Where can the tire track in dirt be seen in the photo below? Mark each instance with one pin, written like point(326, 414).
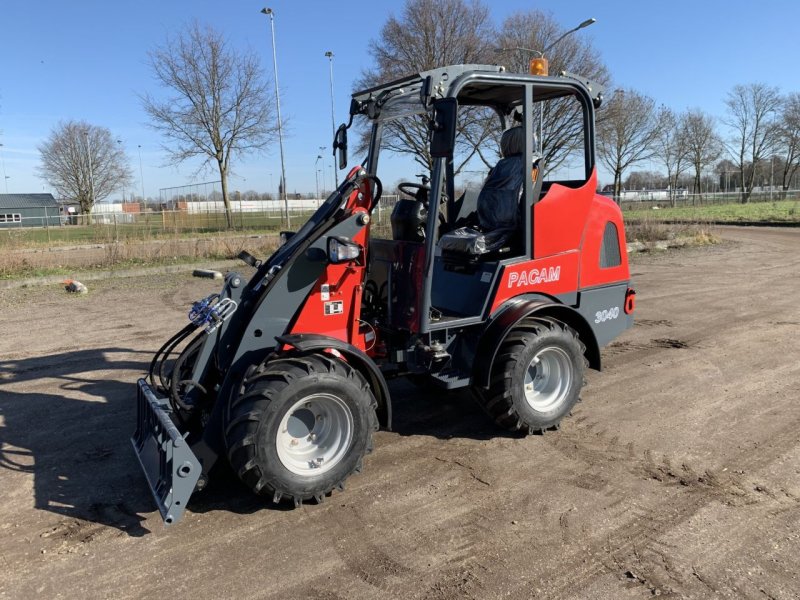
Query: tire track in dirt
point(365, 560)
point(649, 524)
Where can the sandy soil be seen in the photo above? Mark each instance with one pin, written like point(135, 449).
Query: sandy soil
point(679, 474)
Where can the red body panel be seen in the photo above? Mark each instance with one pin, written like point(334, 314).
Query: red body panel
point(568, 225)
point(559, 218)
point(552, 276)
point(344, 283)
point(603, 211)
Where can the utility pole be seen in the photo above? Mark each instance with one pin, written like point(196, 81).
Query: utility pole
point(329, 54)
point(316, 173)
point(91, 172)
point(141, 174)
point(282, 185)
point(771, 175)
point(123, 181)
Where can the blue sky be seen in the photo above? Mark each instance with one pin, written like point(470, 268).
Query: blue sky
point(86, 59)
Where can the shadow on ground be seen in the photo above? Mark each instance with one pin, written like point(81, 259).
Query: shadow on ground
point(75, 440)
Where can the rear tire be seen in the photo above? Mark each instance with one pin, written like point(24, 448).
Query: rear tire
point(300, 427)
point(536, 378)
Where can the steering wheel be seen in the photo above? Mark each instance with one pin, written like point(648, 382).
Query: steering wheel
point(413, 189)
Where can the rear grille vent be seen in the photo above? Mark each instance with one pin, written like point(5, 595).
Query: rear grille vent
point(609, 252)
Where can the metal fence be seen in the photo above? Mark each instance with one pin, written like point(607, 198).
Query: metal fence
point(203, 220)
point(661, 199)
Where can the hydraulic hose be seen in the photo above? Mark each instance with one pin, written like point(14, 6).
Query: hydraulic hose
point(169, 344)
point(175, 377)
point(163, 378)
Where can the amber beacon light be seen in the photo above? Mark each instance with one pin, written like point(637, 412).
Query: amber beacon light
point(538, 66)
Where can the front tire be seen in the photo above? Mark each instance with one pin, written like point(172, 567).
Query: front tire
point(537, 376)
point(300, 427)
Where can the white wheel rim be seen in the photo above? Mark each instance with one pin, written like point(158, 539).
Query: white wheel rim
point(548, 379)
point(314, 435)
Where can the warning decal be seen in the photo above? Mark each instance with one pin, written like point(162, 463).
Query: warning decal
point(334, 308)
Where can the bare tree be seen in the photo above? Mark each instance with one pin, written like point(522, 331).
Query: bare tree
point(82, 162)
point(627, 133)
point(430, 34)
point(536, 30)
point(672, 150)
point(218, 105)
point(704, 146)
point(752, 111)
point(789, 132)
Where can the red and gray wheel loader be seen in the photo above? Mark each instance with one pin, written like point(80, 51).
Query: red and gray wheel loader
point(507, 286)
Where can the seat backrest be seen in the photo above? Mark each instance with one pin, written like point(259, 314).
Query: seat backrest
point(498, 202)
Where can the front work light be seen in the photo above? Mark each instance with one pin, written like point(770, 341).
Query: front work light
point(538, 66)
point(342, 250)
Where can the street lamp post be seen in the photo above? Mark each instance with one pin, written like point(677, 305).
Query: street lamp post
point(271, 14)
point(329, 54)
point(322, 153)
point(316, 172)
point(771, 175)
point(123, 181)
point(141, 173)
point(91, 171)
point(542, 53)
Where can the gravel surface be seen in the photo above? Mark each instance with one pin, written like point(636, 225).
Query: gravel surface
point(678, 475)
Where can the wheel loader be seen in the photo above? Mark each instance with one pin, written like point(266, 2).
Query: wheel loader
point(505, 283)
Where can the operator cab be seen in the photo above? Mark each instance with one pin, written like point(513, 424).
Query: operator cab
point(437, 249)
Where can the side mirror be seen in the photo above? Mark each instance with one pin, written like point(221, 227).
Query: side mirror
point(443, 127)
point(340, 145)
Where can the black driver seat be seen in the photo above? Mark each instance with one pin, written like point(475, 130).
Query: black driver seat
point(498, 206)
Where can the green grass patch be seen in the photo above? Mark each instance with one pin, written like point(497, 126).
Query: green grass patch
point(778, 211)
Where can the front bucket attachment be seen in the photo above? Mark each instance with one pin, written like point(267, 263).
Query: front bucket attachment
point(171, 468)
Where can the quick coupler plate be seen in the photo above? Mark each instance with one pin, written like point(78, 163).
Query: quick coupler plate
point(171, 468)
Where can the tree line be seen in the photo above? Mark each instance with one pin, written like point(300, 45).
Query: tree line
point(214, 105)
point(761, 133)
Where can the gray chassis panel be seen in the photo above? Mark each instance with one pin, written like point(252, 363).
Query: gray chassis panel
point(593, 302)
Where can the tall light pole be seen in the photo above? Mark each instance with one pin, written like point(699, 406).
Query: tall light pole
point(542, 53)
point(586, 23)
point(3, 161)
point(123, 181)
point(771, 175)
point(329, 54)
point(322, 153)
point(316, 172)
point(270, 12)
point(141, 173)
point(91, 171)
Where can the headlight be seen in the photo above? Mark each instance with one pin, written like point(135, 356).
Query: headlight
point(342, 250)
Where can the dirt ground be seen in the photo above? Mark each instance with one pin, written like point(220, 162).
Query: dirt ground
point(678, 475)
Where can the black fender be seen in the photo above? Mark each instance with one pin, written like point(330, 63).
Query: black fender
point(511, 313)
point(310, 342)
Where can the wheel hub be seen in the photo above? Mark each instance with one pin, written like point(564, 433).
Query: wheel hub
point(548, 379)
point(315, 434)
